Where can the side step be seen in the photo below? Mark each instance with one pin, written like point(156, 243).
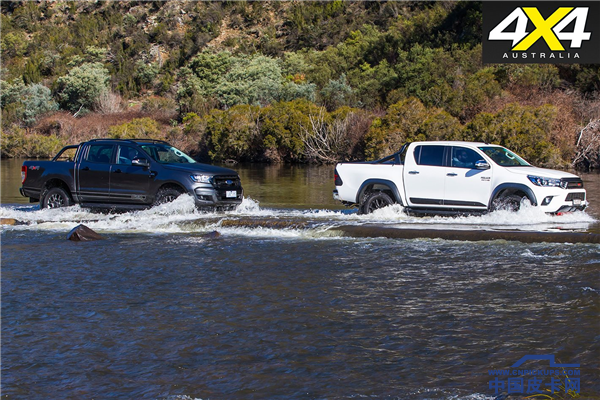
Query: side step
point(115, 207)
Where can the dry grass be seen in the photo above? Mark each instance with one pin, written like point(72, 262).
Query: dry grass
point(91, 126)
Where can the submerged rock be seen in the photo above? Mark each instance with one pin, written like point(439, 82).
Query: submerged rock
point(211, 235)
point(10, 221)
point(82, 233)
point(265, 223)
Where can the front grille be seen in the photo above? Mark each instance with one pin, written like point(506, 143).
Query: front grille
point(571, 183)
point(226, 182)
point(575, 196)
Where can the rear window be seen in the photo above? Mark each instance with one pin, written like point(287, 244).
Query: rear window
point(100, 153)
point(430, 155)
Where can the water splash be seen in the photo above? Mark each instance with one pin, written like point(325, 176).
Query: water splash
point(181, 215)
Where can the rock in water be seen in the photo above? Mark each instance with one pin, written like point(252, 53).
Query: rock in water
point(10, 221)
point(82, 233)
point(211, 235)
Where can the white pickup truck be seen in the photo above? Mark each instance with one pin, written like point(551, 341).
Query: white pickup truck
point(456, 177)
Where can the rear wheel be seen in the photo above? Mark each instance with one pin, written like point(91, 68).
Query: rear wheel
point(166, 195)
point(374, 201)
point(55, 198)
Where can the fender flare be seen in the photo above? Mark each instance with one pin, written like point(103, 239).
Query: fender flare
point(170, 183)
point(512, 188)
point(62, 183)
point(384, 182)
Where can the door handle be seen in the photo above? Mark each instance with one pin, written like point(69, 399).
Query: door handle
point(152, 174)
point(451, 174)
point(413, 172)
point(117, 171)
point(85, 168)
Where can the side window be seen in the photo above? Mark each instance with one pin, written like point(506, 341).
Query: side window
point(464, 158)
point(100, 153)
point(430, 155)
point(126, 154)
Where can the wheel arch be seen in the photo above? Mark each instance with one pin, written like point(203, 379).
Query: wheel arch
point(56, 182)
point(506, 189)
point(382, 185)
point(171, 185)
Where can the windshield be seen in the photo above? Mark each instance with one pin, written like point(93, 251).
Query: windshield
point(165, 154)
point(504, 157)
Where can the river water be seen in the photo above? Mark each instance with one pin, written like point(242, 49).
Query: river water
point(282, 306)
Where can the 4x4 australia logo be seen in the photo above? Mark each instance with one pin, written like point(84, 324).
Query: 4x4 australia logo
point(541, 32)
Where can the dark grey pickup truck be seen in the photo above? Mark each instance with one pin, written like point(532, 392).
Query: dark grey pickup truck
point(129, 174)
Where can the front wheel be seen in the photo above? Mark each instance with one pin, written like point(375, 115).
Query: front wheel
point(374, 201)
point(55, 198)
point(166, 195)
point(511, 202)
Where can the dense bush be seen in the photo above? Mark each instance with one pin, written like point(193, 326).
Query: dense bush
point(526, 130)
point(25, 103)
point(17, 143)
point(222, 79)
point(136, 129)
point(82, 86)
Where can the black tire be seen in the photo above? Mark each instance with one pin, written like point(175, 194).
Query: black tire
point(55, 198)
point(374, 201)
point(166, 195)
point(511, 202)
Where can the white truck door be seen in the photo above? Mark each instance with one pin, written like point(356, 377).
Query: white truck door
point(425, 175)
point(466, 186)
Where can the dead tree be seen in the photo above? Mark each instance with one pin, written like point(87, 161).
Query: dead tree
point(325, 142)
point(588, 147)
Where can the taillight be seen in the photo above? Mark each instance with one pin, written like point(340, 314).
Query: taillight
point(23, 174)
point(338, 180)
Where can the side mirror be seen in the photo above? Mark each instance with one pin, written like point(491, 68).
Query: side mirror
point(141, 162)
point(481, 164)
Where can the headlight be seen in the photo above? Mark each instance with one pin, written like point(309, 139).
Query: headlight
point(540, 181)
point(201, 178)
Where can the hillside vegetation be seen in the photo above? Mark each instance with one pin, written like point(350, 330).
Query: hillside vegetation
point(282, 81)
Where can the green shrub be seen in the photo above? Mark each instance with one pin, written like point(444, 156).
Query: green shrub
point(137, 128)
point(337, 93)
point(17, 143)
point(13, 44)
point(145, 74)
point(194, 126)
point(25, 103)
point(401, 123)
point(257, 80)
point(439, 125)
point(480, 87)
point(523, 129)
point(234, 133)
point(282, 128)
point(82, 86)
point(293, 91)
